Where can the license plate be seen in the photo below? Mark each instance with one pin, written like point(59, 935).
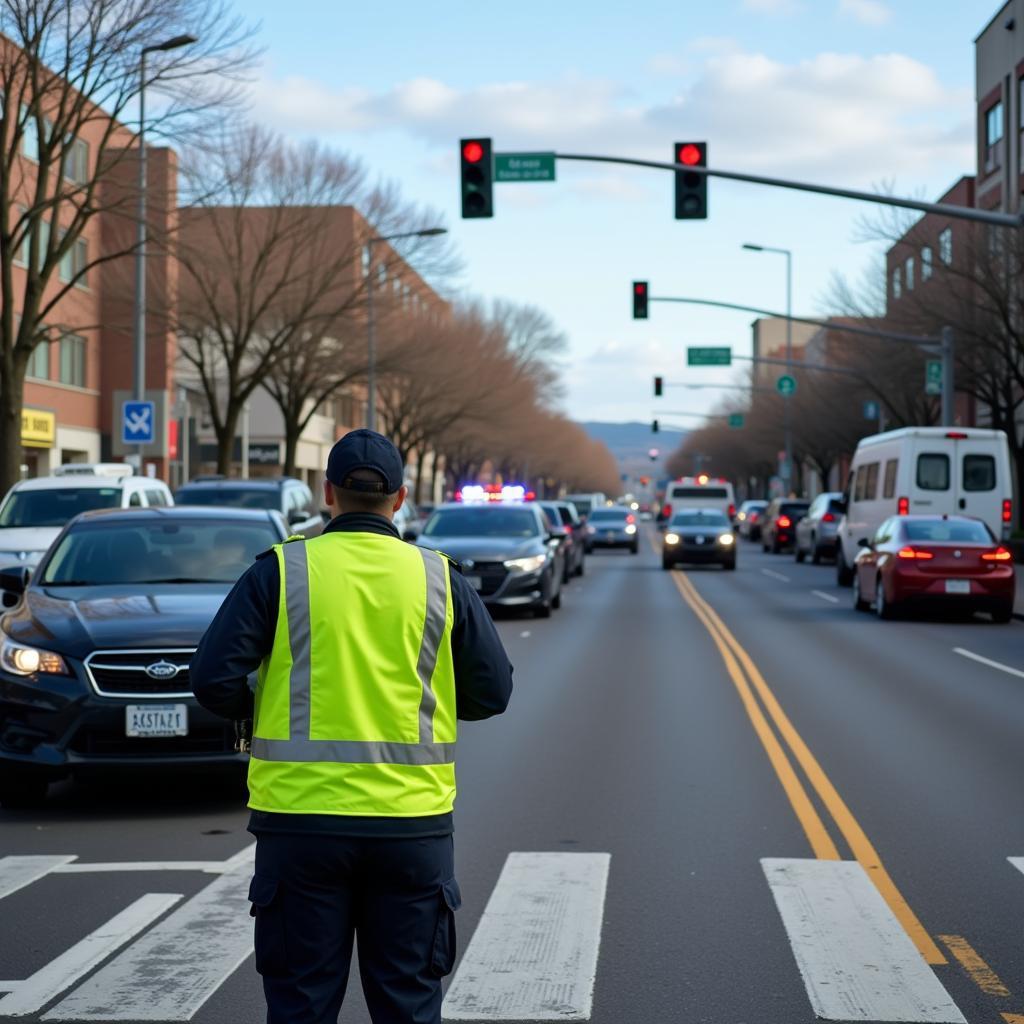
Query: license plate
point(958, 586)
point(156, 720)
point(610, 535)
point(476, 582)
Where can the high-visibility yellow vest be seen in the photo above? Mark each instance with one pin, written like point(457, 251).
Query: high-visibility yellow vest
point(355, 706)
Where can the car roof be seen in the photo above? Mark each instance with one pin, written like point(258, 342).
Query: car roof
point(934, 517)
point(269, 483)
point(52, 483)
point(179, 512)
point(486, 504)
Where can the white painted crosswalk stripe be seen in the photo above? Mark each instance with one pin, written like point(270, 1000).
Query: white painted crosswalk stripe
point(857, 962)
point(173, 969)
point(32, 994)
point(534, 953)
point(17, 872)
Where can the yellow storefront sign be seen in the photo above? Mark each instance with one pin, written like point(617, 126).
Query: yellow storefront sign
point(38, 428)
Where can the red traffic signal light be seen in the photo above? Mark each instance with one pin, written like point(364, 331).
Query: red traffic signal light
point(477, 169)
point(691, 187)
point(689, 154)
point(659, 383)
point(639, 300)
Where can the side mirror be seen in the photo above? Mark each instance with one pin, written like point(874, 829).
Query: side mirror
point(410, 533)
point(864, 543)
point(15, 579)
point(297, 515)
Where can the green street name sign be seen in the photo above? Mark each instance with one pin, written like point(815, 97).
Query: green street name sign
point(736, 420)
point(786, 385)
point(524, 166)
point(933, 377)
point(709, 357)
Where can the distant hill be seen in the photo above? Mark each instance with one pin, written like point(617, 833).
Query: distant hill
point(630, 444)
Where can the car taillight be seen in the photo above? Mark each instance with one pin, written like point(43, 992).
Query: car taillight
point(914, 553)
point(999, 555)
point(666, 510)
point(903, 507)
point(732, 511)
point(753, 517)
point(828, 518)
point(784, 521)
point(1007, 510)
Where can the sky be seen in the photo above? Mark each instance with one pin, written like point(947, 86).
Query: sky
point(861, 93)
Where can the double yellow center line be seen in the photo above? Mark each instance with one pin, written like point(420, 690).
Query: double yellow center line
point(765, 712)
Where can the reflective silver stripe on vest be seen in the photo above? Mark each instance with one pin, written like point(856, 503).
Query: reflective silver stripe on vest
point(433, 630)
point(353, 751)
point(300, 747)
point(296, 576)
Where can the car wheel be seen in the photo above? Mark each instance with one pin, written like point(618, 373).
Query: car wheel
point(883, 609)
point(20, 789)
point(776, 547)
point(556, 601)
point(844, 574)
point(666, 563)
point(635, 549)
point(730, 565)
point(798, 552)
point(815, 553)
point(859, 604)
point(581, 568)
point(1004, 613)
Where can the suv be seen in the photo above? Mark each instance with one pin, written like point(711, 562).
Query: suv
point(817, 534)
point(778, 523)
point(34, 511)
point(284, 494)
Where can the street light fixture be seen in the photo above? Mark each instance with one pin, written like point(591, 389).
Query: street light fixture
point(787, 476)
point(139, 390)
point(371, 348)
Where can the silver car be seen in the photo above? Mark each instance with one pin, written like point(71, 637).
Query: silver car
point(817, 534)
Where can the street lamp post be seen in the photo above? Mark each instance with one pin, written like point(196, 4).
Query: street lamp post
point(371, 341)
point(139, 388)
point(787, 476)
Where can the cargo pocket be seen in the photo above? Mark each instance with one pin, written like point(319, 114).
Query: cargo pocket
point(267, 908)
point(443, 952)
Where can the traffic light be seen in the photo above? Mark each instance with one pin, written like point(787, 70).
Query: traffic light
point(477, 178)
point(639, 300)
point(659, 383)
point(691, 188)
point(654, 426)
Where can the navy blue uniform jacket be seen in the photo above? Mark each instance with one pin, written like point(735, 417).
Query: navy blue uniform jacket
point(242, 634)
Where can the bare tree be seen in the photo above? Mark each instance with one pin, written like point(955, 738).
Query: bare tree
point(70, 75)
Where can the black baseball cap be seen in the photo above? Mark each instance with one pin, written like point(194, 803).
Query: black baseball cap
point(365, 449)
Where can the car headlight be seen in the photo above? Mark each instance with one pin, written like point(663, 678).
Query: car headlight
point(530, 564)
point(726, 539)
point(630, 528)
point(591, 530)
point(671, 538)
point(22, 660)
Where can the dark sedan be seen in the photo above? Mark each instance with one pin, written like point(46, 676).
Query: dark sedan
point(568, 523)
point(506, 551)
point(94, 658)
point(778, 523)
point(701, 536)
point(613, 527)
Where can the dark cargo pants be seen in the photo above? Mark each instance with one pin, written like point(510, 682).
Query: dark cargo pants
point(312, 895)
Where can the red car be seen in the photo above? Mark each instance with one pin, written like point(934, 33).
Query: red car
point(943, 560)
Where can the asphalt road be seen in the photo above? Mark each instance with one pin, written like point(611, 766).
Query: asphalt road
point(688, 726)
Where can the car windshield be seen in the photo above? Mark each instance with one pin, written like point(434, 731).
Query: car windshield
point(700, 518)
point(961, 531)
point(231, 497)
point(54, 506)
point(119, 552)
point(699, 492)
point(583, 505)
point(609, 515)
point(794, 508)
point(482, 522)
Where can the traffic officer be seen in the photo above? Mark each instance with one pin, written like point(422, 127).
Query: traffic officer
point(366, 650)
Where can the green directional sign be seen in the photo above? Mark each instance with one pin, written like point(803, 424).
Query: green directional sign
point(709, 357)
point(524, 166)
point(933, 377)
point(736, 420)
point(786, 385)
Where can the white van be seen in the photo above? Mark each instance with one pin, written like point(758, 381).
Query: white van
point(700, 491)
point(925, 471)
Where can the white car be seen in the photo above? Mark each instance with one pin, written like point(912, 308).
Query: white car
point(694, 492)
point(34, 511)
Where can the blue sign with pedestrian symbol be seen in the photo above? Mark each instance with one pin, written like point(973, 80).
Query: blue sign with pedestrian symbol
point(137, 420)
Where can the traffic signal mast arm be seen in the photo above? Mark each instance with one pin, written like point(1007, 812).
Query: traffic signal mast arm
point(1009, 220)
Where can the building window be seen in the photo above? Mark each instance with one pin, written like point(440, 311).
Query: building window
point(993, 136)
point(73, 263)
point(897, 284)
point(926, 263)
point(30, 136)
point(908, 273)
point(946, 246)
point(72, 360)
point(39, 361)
point(76, 161)
point(366, 260)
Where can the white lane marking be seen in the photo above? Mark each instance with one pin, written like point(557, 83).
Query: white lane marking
point(775, 575)
point(534, 953)
point(825, 597)
point(245, 856)
point(32, 994)
point(173, 969)
point(17, 872)
point(856, 960)
point(988, 661)
point(1017, 862)
point(525, 633)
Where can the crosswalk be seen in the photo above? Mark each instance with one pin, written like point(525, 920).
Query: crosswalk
point(534, 955)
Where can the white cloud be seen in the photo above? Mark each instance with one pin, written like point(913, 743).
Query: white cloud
point(869, 12)
point(834, 117)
